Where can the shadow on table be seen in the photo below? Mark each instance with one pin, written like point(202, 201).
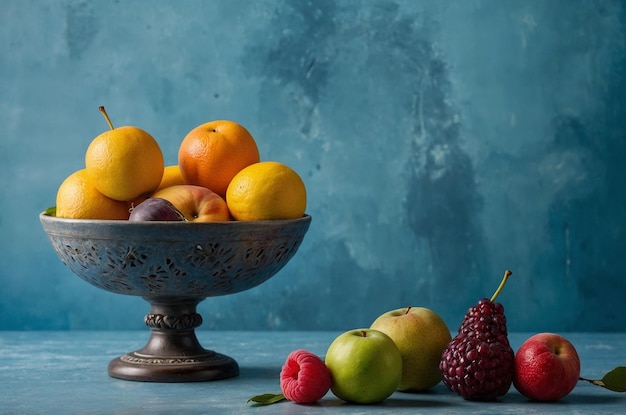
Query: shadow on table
point(440, 397)
point(584, 399)
point(392, 402)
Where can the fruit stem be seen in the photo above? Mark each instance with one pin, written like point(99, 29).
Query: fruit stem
point(408, 309)
point(106, 117)
point(593, 381)
point(507, 274)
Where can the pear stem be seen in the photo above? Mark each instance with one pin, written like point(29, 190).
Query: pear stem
point(106, 117)
point(507, 274)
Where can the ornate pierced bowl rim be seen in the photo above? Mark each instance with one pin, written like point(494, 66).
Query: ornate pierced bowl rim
point(158, 230)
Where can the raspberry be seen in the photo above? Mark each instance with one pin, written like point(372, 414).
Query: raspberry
point(304, 377)
point(478, 362)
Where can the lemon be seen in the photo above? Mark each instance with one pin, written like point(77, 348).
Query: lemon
point(124, 163)
point(172, 176)
point(267, 190)
point(78, 198)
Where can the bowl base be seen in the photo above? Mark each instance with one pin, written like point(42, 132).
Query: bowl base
point(173, 352)
point(144, 368)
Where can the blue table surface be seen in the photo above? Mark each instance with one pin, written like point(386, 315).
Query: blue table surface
point(65, 372)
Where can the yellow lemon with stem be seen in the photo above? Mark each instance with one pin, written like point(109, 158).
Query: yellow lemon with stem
point(124, 163)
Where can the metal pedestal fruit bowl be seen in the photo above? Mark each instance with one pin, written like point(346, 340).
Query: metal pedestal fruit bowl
point(174, 266)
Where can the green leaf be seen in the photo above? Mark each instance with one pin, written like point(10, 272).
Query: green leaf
point(267, 398)
point(615, 380)
point(51, 211)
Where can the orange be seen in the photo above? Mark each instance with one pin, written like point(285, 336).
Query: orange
point(78, 198)
point(266, 191)
point(125, 163)
point(212, 154)
point(172, 176)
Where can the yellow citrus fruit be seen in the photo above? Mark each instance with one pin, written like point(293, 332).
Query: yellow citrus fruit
point(172, 176)
point(211, 154)
point(125, 163)
point(78, 198)
point(266, 190)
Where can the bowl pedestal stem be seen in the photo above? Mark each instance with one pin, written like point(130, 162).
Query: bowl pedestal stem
point(173, 352)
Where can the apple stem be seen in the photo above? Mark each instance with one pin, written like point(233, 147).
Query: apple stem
point(106, 117)
point(408, 309)
point(507, 274)
point(593, 381)
point(363, 333)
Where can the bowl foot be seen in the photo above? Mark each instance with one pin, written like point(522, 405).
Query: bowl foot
point(173, 352)
point(139, 367)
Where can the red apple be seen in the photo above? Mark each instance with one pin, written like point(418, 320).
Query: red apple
point(547, 367)
point(197, 203)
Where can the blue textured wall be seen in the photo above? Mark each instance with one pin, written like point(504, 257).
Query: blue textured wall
point(441, 142)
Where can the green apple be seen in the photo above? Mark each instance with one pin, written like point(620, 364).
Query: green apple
point(365, 366)
point(421, 336)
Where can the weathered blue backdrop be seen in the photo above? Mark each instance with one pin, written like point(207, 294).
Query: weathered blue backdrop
point(441, 143)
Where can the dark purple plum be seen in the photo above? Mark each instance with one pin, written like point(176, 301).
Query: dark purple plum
point(156, 209)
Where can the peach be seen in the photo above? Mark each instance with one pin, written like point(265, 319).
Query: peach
point(197, 203)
